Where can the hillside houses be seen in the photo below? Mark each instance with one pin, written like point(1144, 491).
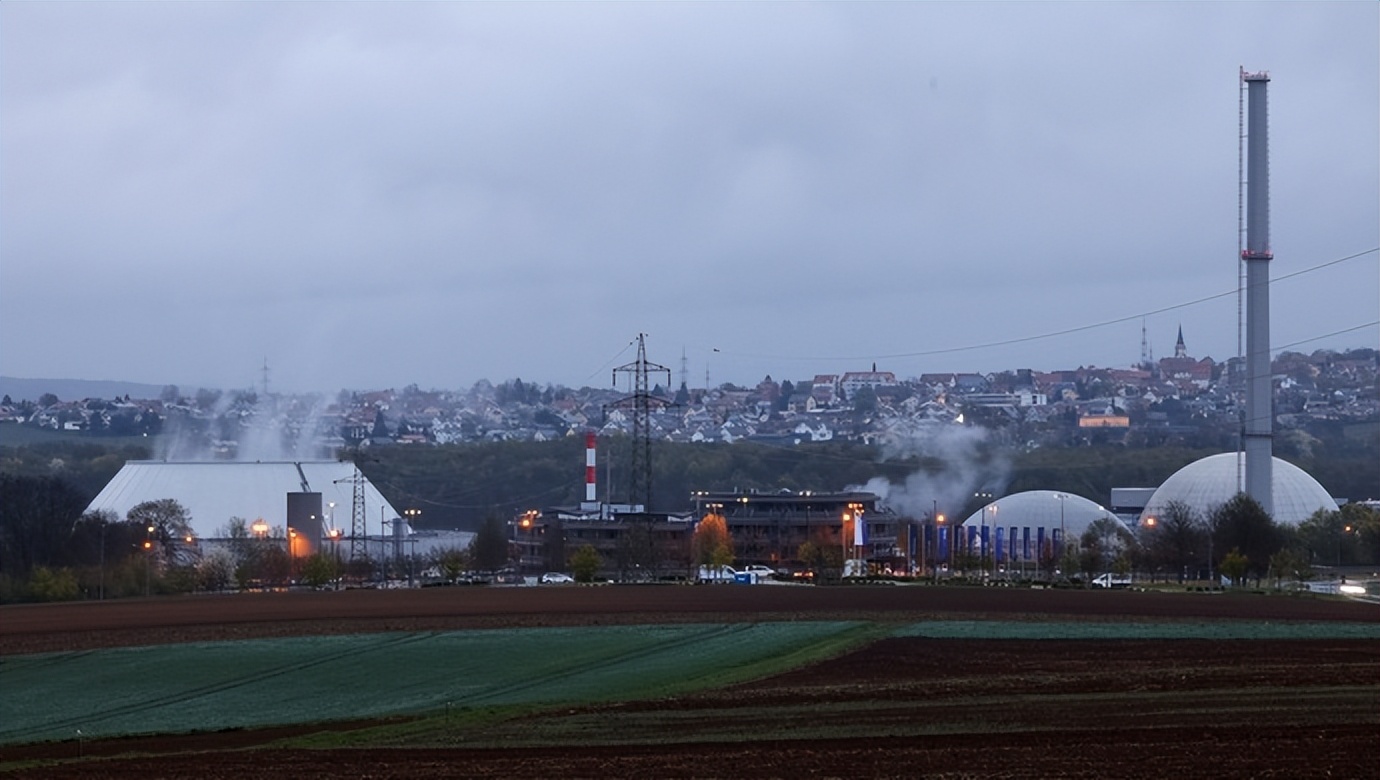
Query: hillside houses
point(1179, 398)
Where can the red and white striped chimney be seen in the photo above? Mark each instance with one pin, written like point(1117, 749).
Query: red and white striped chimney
point(589, 467)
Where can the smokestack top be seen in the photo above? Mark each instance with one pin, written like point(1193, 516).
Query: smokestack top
point(1263, 75)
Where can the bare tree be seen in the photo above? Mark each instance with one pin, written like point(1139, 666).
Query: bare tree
point(1177, 539)
point(169, 529)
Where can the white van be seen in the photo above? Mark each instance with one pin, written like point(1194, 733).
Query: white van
point(715, 574)
point(1110, 580)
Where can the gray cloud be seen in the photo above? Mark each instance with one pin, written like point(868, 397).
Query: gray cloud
point(377, 194)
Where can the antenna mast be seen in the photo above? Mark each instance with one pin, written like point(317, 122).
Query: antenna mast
point(1144, 347)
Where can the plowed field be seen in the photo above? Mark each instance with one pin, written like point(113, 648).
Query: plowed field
point(903, 707)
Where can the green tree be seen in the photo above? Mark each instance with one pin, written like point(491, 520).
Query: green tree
point(1176, 539)
point(184, 578)
point(1350, 535)
point(216, 571)
point(1366, 522)
point(1290, 564)
point(47, 584)
point(37, 515)
point(822, 558)
point(275, 565)
point(585, 563)
point(206, 398)
point(1234, 566)
point(783, 399)
point(1104, 540)
point(1242, 525)
point(489, 550)
point(319, 570)
point(637, 553)
point(452, 561)
point(1070, 558)
point(864, 402)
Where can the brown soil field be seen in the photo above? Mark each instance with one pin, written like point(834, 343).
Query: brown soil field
point(34, 628)
point(901, 707)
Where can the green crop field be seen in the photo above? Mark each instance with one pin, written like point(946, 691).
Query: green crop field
point(244, 684)
point(224, 685)
point(1233, 629)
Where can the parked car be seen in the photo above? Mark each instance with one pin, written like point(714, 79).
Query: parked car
point(508, 577)
point(556, 578)
point(758, 569)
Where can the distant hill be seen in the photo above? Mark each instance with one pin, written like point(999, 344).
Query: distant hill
point(77, 389)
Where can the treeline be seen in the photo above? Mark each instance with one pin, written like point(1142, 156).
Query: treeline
point(456, 486)
point(86, 465)
point(49, 553)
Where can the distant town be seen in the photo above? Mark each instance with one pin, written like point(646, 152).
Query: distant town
point(1180, 400)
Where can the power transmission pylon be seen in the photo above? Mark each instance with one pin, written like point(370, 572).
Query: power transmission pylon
point(359, 542)
point(641, 402)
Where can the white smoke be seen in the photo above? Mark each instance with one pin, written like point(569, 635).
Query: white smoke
point(962, 467)
point(273, 428)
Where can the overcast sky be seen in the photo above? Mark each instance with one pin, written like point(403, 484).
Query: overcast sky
point(372, 195)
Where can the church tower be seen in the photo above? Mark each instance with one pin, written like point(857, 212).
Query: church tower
point(1179, 349)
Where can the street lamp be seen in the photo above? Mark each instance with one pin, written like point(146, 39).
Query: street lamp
point(148, 560)
point(1149, 527)
point(843, 542)
point(103, 526)
point(334, 534)
point(853, 513)
point(400, 538)
point(1345, 530)
point(292, 553)
point(995, 533)
point(1063, 532)
point(525, 543)
point(938, 532)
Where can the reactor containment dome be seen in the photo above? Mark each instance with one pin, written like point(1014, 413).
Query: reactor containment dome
point(1206, 484)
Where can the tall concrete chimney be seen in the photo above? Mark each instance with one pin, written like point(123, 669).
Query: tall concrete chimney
point(1258, 430)
point(590, 445)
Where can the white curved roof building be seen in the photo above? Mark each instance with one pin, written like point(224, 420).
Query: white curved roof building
point(1031, 518)
point(212, 492)
point(1208, 483)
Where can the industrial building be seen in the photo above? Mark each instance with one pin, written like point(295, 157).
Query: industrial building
point(304, 500)
point(766, 529)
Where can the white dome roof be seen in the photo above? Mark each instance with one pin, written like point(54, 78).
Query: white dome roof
point(1043, 509)
point(1210, 482)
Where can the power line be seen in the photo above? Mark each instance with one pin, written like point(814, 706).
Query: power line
point(609, 362)
point(1370, 324)
point(1052, 334)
